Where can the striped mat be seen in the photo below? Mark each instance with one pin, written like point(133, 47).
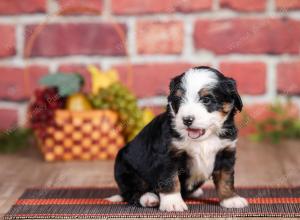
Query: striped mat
point(56, 203)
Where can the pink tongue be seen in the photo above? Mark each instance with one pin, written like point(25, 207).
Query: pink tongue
point(195, 133)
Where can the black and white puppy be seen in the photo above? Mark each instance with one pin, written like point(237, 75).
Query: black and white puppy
point(183, 147)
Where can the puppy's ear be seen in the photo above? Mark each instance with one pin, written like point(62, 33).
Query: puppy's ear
point(172, 85)
point(175, 83)
point(172, 88)
point(231, 89)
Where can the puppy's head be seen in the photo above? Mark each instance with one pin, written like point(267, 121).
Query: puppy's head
point(200, 101)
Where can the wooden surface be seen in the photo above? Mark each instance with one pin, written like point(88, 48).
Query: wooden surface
point(257, 164)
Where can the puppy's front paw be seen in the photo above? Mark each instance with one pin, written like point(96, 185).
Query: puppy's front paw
point(172, 202)
point(234, 202)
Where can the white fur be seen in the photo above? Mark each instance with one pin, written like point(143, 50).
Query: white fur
point(234, 202)
point(229, 143)
point(192, 82)
point(202, 156)
point(196, 194)
point(195, 79)
point(202, 150)
point(172, 202)
point(115, 198)
point(149, 200)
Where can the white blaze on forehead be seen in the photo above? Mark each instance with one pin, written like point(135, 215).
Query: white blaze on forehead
point(196, 79)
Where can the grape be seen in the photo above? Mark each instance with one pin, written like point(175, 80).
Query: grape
point(41, 109)
point(118, 98)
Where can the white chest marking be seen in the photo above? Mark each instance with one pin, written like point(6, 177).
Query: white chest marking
point(202, 157)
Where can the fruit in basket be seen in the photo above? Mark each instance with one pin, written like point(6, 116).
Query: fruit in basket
point(118, 98)
point(147, 115)
point(41, 109)
point(100, 79)
point(78, 102)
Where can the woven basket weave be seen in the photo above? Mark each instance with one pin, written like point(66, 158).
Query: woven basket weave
point(86, 135)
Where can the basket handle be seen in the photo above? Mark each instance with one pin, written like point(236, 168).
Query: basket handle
point(40, 28)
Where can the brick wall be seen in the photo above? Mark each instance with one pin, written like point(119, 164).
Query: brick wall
point(255, 41)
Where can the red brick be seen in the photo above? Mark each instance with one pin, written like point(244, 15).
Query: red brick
point(82, 70)
point(245, 5)
point(14, 7)
point(77, 39)
point(250, 76)
point(284, 5)
point(288, 78)
point(8, 41)
point(13, 84)
point(159, 37)
point(80, 6)
point(156, 6)
point(8, 118)
point(151, 79)
point(271, 36)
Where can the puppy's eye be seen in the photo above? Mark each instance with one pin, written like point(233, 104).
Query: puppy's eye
point(206, 100)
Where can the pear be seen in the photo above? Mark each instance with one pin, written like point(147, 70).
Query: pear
point(78, 102)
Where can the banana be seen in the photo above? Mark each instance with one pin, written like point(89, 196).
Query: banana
point(148, 115)
point(102, 79)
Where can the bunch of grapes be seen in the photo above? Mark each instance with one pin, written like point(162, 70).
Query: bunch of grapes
point(41, 109)
point(118, 98)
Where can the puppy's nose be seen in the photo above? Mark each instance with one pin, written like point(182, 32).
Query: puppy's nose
point(188, 120)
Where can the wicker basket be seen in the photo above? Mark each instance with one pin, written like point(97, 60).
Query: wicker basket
point(89, 135)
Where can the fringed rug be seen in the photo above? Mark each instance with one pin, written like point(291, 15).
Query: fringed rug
point(55, 203)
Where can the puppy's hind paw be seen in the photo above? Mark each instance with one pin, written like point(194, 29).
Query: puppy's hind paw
point(149, 200)
point(234, 202)
point(196, 194)
point(115, 198)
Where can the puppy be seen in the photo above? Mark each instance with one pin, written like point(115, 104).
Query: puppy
point(180, 149)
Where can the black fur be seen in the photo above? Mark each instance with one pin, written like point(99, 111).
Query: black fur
point(146, 164)
point(173, 98)
point(149, 163)
point(225, 91)
point(225, 159)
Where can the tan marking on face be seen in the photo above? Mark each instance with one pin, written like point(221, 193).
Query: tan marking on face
point(226, 108)
point(179, 93)
point(203, 92)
